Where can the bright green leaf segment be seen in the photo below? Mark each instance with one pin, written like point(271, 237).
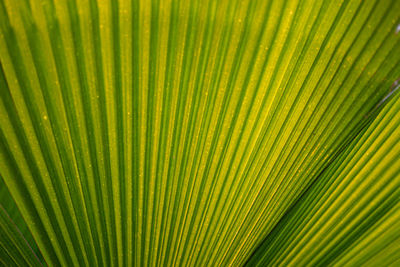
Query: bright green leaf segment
point(199, 133)
point(351, 214)
point(16, 243)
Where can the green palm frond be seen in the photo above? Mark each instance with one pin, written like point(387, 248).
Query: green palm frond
point(199, 133)
point(351, 212)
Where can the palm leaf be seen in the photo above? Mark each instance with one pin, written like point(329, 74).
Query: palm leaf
point(180, 133)
point(351, 212)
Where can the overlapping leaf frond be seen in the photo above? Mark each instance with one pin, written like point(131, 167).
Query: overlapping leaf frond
point(199, 133)
point(351, 213)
